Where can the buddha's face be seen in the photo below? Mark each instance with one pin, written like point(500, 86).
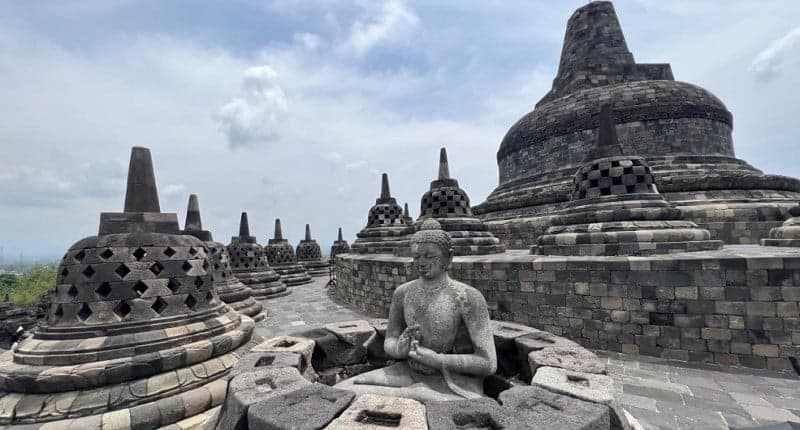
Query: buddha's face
point(430, 259)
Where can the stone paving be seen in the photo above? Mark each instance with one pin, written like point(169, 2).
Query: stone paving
point(661, 394)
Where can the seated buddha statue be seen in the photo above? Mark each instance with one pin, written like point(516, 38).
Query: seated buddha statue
point(438, 330)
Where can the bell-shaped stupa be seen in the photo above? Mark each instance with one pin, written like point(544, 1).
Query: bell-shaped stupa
point(340, 246)
point(386, 227)
point(280, 254)
point(230, 290)
point(135, 336)
point(309, 255)
point(447, 203)
point(250, 265)
point(787, 234)
point(617, 210)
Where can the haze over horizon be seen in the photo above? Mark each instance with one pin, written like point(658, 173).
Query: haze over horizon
point(292, 109)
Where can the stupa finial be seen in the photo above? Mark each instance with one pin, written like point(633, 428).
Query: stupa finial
point(607, 141)
point(141, 194)
point(406, 212)
point(278, 232)
point(340, 234)
point(308, 232)
point(193, 221)
point(244, 226)
point(444, 168)
point(385, 193)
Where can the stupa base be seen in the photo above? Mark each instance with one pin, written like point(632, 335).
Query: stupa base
point(293, 274)
point(316, 268)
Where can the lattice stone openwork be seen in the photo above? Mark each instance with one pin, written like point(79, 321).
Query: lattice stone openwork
point(444, 202)
point(613, 177)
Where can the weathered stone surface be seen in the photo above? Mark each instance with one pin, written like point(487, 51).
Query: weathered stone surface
point(476, 414)
point(308, 408)
point(544, 409)
point(249, 388)
point(372, 412)
point(330, 351)
point(508, 359)
point(355, 333)
point(534, 342)
point(299, 345)
point(386, 228)
point(587, 386)
point(255, 360)
point(568, 358)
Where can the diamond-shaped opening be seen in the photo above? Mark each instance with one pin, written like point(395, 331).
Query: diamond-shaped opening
point(139, 254)
point(186, 266)
point(85, 312)
point(140, 288)
point(157, 268)
point(103, 290)
point(198, 282)
point(88, 272)
point(108, 253)
point(73, 292)
point(64, 272)
point(122, 310)
point(122, 270)
point(190, 302)
point(209, 297)
point(159, 305)
point(80, 255)
point(169, 252)
point(174, 285)
point(205, 264)
point(192, 251)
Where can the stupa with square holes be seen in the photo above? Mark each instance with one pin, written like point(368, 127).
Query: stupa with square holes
point(281, 256)
point(309, 255)
point(249, 264)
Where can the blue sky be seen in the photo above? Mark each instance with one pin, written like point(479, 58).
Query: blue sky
point(292, 108)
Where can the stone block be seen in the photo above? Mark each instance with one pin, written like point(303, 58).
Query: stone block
point(355, 333)
point(509, 361)
point(310, 407)
point(473, 413)
point(716, 334)
point(591, 387)
point(373, 412)
point(534, 342)
point(764, 350)
point(568, 358)
point(330, 351)
point(291, 344)
point(255, 360)
point(546, 410)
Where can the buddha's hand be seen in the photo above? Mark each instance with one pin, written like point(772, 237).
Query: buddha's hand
point(426, 356)
point(410, 334)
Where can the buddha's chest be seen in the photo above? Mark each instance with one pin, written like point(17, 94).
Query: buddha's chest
point(438, 318)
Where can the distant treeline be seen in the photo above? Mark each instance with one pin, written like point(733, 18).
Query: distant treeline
point(27, 290)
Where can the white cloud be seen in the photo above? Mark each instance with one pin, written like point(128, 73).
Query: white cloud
point(355, 165)
point(255, 117)
point(392, 22)
point(309, 40)
point(772, 59)
point(172, 190)
point(37, 186)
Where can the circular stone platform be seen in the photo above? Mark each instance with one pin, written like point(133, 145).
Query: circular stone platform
point(543, 380)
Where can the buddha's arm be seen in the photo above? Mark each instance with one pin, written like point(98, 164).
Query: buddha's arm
point(483, 361)
point(395, 327)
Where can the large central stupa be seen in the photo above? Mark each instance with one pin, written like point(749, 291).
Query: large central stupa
point(682, 130)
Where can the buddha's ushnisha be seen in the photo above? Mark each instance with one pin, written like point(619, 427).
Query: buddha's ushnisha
point(438, 328)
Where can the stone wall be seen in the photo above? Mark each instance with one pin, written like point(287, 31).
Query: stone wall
point(738, 306)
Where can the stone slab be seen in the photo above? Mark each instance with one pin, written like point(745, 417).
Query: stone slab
point(372, 412)
point(308, 408)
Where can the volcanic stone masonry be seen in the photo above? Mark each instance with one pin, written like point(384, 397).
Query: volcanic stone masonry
point(309, 255)
point(386, 227)
point(340, 246)
point(788, 234)
point(280, 254)
point(249, 264)
point(230, 290)
point(681, 129)
point(136, 336)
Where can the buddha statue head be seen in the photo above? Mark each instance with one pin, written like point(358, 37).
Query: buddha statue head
point(432, 250)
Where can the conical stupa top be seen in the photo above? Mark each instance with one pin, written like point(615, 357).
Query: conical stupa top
point(340, 234)
point(406, 212)
point(444, 169)
point(193, 221)
point(385, 193)
point(308, 232)
point(278, 232)
point(141, 194)
point(244, 226)
point(607, 142)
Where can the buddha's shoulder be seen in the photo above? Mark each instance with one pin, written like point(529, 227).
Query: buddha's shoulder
point(404, 288)
point(466, 294)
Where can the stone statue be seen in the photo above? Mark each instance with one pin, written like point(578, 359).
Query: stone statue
point(438, 329)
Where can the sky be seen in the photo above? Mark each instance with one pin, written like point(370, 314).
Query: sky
point(291, 109)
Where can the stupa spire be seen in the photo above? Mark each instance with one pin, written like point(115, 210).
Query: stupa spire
point(444, 168)
point(141, 194)
point(406, 212)
point(340, 234)
point(193, 221)
point(278, 232)
point(244, 226)
point(308, 232)
point(385, 193)
point(607, 141)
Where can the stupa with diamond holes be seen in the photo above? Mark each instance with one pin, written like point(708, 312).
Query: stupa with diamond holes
point(340, 246)
point(280, 254)
point(386, 227)
point(309, 255)
point(788, 234)
point(407, 215)
point(230, 290)
point(249, 264)
point(135, 336)
point(449, 204)
point(617, 210)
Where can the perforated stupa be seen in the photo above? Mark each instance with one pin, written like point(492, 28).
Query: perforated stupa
point(340, 246)
point(281, 256)
point(309, 255)
point(386, 227)
point(250, 265)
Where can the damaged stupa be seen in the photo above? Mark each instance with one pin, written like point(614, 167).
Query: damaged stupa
point(386, 227)
point(682, 130)
point(229, 289)
point(447, 203)
point(788, 234)
point(340, 246)
point(309, 255)
point(616, 209)
point(280, 254)
point(136, 336)
point(249, 264)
